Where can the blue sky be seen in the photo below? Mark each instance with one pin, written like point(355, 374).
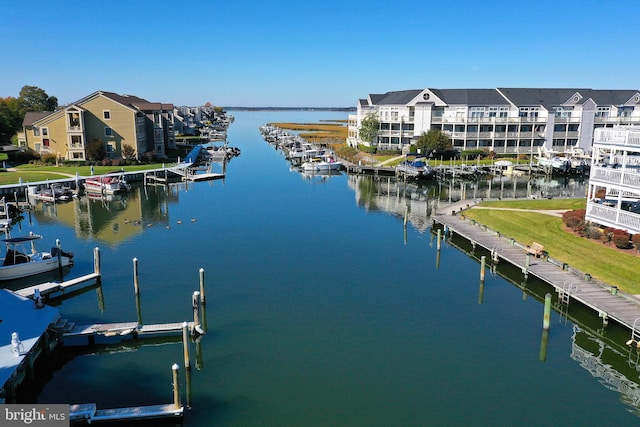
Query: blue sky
point(313, 53)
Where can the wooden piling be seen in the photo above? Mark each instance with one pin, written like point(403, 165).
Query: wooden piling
point(439, 233)
point(546, 320)
point(543, 345)
point(406, 214)
point(202, 295)
point(96, 265)
point(185, 344)
point(176, 386)
point(136, 282)
point(60, 274)
point(483, 262)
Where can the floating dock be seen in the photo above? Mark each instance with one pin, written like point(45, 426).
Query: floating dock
point(19, 315)
point(569, 283)
point(49, 288)
point(88, 413)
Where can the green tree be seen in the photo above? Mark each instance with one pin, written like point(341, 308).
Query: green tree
point(10, 119)
point(369, 128)
point(434, 140)
point(128, 152)
point(32, 98)
point(95, 150)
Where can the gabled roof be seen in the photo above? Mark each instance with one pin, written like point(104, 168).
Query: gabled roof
point(612, 97)
point(470, 96)
point(396, 98)
point(33, 116)
point(548, 98)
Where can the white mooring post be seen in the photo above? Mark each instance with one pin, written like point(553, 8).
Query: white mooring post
point(176, 386)
point(483, 261)
point(546, 320)
point(185, 344)
point(202, 295)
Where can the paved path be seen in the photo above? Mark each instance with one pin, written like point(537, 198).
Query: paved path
point(553, 212)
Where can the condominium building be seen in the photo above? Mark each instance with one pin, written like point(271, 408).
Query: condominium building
point(614, 182)
point(502, 120)
point(115, 120)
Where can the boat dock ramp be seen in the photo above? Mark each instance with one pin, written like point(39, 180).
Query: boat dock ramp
point(607, 301)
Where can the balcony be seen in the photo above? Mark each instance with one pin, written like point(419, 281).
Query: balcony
point(623, 177)
point(612, 217)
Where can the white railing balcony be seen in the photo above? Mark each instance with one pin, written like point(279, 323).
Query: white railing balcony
point(623, 177)
point(74, 129)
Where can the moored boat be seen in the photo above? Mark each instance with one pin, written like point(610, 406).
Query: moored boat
point(22, 260)
point(106, 184)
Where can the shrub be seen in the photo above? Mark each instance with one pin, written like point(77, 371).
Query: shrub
point(636, 241)
point(49, 159)
point(574, 219)
point(592, 232)
point(621, 241)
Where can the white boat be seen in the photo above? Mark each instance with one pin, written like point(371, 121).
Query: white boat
point(106, 184)
point(417, 168)
point(321, 164)
point(22, 260)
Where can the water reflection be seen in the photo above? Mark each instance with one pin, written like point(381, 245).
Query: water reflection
point(113, 218)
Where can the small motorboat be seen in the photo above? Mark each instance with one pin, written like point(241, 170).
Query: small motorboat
point(22, 260)
point(106, 184)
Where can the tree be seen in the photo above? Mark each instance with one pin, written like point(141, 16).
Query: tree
point(128, 152)
point(32, 98)
point(95, 150)
point(434, 140)
point(369, 128)
point(10, 119)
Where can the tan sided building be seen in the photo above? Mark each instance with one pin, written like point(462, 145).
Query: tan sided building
point(115, 120)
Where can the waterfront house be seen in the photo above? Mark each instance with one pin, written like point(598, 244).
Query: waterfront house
point(502, 120)
point(614, 180)
point(115, 120)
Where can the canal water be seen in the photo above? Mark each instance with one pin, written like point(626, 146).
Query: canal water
point(322, 309)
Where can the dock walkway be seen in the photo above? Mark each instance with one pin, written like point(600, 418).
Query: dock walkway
point(49, 288)
point(604, 299)
point(88, 413)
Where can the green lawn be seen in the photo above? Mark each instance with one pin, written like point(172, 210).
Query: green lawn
point(35, 173)
point(590, 256)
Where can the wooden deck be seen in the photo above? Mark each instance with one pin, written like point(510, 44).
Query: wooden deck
point(53, 287)
point(88, 413)
point(604, 299)
point(123, 329)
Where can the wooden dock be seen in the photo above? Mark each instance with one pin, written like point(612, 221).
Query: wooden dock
point(606, 300)
point(48, 288)
point(122, 329)
point(88, 413)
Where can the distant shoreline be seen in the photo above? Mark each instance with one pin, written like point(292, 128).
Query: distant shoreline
point(289, 108)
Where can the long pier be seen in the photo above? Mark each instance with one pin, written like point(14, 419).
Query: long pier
point(606, 300)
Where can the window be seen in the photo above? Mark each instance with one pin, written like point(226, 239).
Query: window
point(45, 142)
point(603, 111)
point(36, 132)
point(78, 156)
point(110, 148)
point(476, 112)
point(108, 131)
point(76, 141)
point(106, 114)
point(45, 131)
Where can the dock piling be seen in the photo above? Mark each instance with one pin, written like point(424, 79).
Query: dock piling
point(483, 261)
point(197, 328)
point(176, 386)
point(439, 233)
point(202, 295)
point(185, 344)
point(546, 320)
point(60, 273)
point(96, 262)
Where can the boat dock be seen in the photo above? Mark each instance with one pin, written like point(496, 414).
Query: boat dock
point(122, 329)
point(49, 288)
point(88, 413)
point(569, 283)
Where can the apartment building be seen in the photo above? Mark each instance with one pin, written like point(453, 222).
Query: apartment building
point(502, 120)
point(613, 198)
point(115, 120)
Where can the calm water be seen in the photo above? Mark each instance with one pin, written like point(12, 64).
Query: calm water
point(321, 310)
